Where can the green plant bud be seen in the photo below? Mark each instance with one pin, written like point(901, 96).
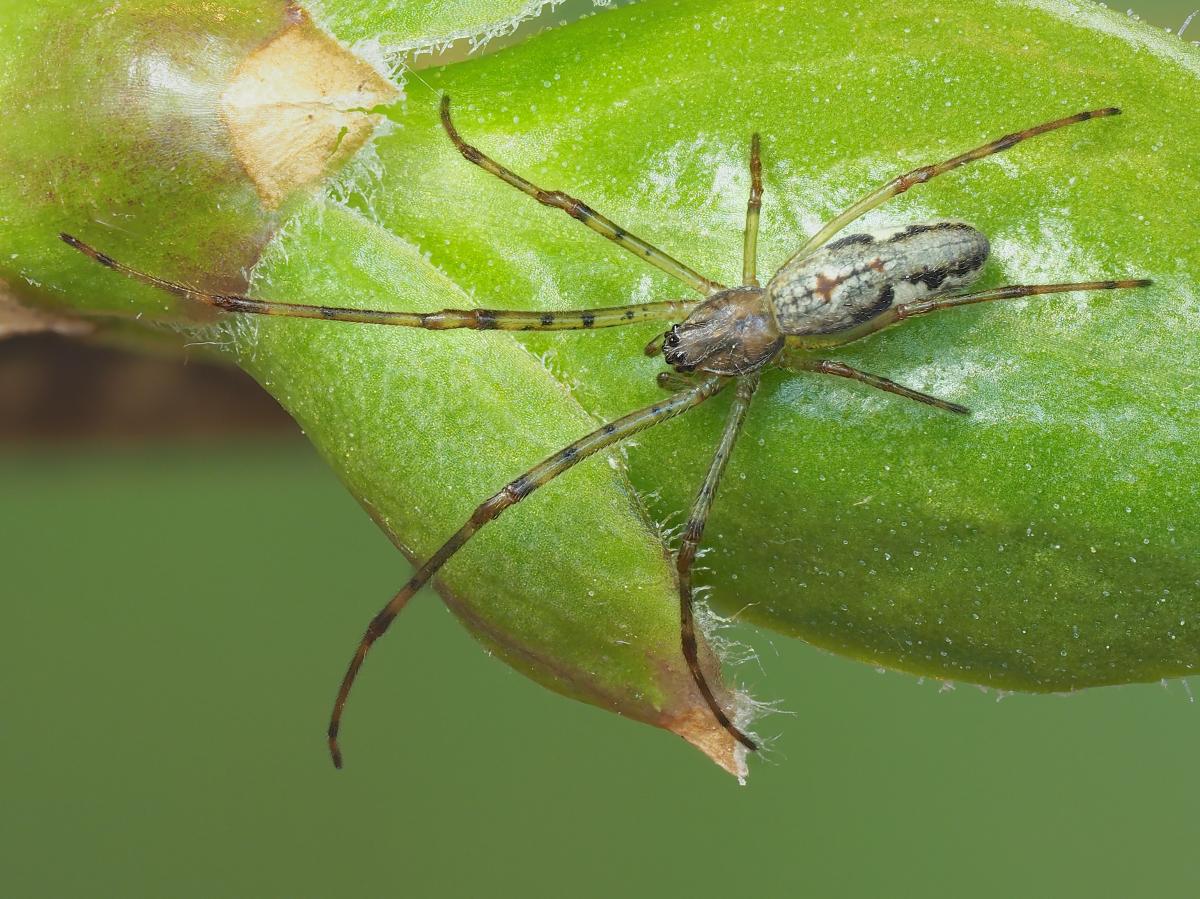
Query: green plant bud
point(167, 134)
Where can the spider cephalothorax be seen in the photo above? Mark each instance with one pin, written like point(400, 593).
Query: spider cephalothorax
point(732, 333)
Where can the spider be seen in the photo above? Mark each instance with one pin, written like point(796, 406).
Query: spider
point(829, 293)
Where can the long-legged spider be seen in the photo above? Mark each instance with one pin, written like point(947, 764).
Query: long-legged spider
point(827, 294)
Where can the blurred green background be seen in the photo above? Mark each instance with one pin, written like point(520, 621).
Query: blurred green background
point(180, 604)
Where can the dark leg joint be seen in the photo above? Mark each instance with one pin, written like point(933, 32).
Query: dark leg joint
point(229, 304)
point(566, 203)
point(491, 509)
point(378, 626)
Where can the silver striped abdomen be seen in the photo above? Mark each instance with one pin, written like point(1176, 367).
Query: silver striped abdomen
point(854, 278)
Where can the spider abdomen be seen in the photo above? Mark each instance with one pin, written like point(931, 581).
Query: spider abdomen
point(853, 279)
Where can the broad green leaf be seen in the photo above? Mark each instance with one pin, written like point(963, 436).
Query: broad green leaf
point(1046, 543)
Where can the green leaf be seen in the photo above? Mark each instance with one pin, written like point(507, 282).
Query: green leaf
point(1048, 542)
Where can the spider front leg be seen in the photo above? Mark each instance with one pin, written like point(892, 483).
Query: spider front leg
point(443, 320)
point(692, 534)
point(900, 184)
